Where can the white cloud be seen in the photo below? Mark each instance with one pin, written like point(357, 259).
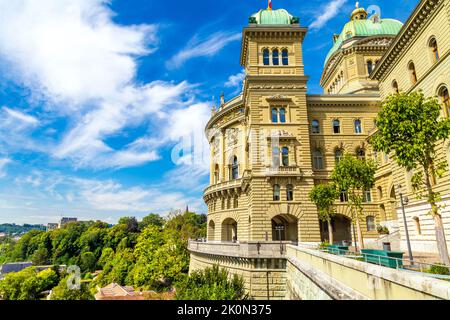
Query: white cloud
point(73, 54)
point(203, 47)
point(19, 116)
point(3, 163)
point(235, 80)
point(326, 13)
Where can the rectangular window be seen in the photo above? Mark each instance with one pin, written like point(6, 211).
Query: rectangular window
point(344, 196)
point(367, 197)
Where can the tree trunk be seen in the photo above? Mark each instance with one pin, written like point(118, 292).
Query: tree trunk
point(439, 228)
point(360, 236)
point(330, 232)
point(440, 239)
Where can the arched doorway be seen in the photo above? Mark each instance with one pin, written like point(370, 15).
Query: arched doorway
point(229, 230)
point(342, 229)
point(211, 230)
point(285, 228)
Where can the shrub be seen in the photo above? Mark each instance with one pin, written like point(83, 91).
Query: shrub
point(439, 269)
point(211, 284)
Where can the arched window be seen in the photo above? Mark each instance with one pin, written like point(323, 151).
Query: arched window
point(235, 169)
point(318, 159)
point(432, 44)
point(370, 223)
point(285, 156)
point(290, 192)
point(283, 115)
point(285, 57)
point(445, 99)
point(336, 126)
point(380, 193)
point(274, 115)
point(276, 157)
point(361, 154)
point(223, 204)
point(418, 228)
point(338, 154)
point(395, 86)
point(276, 192)
point(266, 57)
point(369, 66)
point(358, 127)
point(228, 203)
point(275, 57)
point(315, 126)
point(236, 202)
point(412, 72)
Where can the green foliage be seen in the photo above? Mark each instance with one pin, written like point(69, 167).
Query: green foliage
point(153, 257)
point(353, 176)
point(323, 196)
point(27, 284)
point(409, 125)
point(63, 292)
point(324, 245)
point(439, 269)
point(211, 284)
point(14, 229)
point(382, 230)
point(152, 219)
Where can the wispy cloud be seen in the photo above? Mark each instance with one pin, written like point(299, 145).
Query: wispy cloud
point(198, 47)
point(326, 13)
point(3, 163)
point(235, 80)
point(20, 116)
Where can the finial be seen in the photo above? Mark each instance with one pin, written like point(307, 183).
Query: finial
point(357, 4)
point(270, 5)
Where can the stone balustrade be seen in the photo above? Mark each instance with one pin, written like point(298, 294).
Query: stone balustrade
point(274, 249)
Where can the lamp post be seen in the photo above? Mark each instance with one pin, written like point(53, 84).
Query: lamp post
point(403, 201)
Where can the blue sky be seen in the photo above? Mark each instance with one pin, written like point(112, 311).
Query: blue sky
point(98, 97)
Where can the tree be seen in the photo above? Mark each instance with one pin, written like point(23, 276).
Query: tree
point(354, 176)
point(88, 262)
point(211, 284)
point(27, 284)
point(151, 219)
point(131, 223)
point(63, 292)
point(323, 196)
point(410, 126)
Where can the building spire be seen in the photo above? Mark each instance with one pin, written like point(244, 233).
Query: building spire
point(270, 5)
point(357, 5)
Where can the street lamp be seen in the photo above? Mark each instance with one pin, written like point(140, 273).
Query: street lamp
point(404, 201)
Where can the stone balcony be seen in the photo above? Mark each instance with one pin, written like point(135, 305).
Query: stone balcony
point(232, 186)
point(283, 171)
point(252, 249)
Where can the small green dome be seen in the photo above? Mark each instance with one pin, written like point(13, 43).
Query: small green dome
point(279, 17)
point(365, 28)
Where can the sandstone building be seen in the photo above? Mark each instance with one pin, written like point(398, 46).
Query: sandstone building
point(271, 144)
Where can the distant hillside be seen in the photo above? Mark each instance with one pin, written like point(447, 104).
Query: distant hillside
point(14, 229)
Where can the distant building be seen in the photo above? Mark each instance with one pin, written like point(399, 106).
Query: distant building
point(66, 220)
point(13, 267)
point(52, 226)
point(115, 291)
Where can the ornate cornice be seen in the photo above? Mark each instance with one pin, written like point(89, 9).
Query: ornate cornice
point(410, 29)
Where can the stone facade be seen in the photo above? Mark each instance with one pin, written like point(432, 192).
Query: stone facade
point(430, 20)
point(271, 144)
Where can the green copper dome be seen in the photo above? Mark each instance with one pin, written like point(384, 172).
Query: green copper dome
point(365, 28)
point(271, 17)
